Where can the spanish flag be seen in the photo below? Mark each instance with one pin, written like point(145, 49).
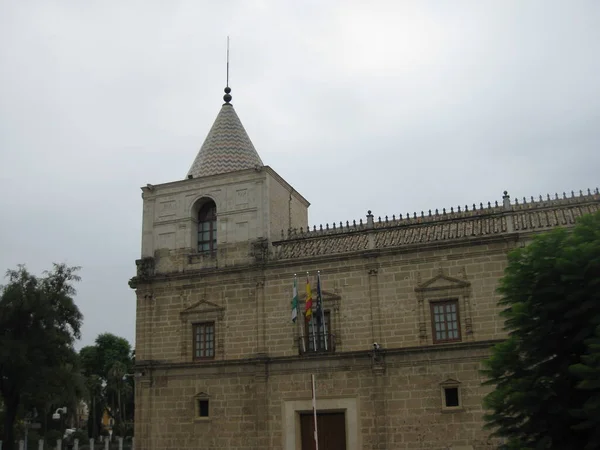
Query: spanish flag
point(308, 311)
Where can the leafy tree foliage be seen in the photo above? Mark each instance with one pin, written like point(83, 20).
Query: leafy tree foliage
point(108, 350)
point(550, 292)
point(105, 364)
point(39, 323)
point(55, 387)
point(588, 371)
point(96, 404)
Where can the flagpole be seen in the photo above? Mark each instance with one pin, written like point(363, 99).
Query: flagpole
point(314, 334)
point(320, 300)
point(302, 337)
point(302, 324)
point(314, 405)
point(312, 319)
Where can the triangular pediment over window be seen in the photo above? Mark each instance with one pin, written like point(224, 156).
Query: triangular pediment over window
point(442, 281)
point(450, 382)
point(203, 306)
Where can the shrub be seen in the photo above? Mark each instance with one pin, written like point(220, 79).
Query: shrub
point(81, 435)
point(51, 438)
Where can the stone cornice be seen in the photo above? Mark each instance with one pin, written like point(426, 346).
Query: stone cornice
point(359, 256)
point(317, 359)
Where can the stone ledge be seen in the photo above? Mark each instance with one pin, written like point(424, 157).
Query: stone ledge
point(316, 360)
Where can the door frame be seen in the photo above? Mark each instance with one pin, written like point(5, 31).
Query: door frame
point(291, 420)
point(321, 412)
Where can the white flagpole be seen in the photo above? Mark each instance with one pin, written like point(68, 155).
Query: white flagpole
point(314, 404)
point(302, 335)
point(303, 321)
point(320, 294)
point(312, 319)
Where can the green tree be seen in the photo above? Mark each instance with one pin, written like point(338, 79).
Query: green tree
point(100, 358)
point(552, 303)
point(105, 364)
point(56, 387)
point(39, 323)
point(96, 404)
point(588, 371)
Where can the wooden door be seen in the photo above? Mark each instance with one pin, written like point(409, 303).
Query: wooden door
point(331, 428)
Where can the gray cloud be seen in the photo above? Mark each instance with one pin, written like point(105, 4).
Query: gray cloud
point(390, 106)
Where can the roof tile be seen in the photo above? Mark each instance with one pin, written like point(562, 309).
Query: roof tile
point(227, 147)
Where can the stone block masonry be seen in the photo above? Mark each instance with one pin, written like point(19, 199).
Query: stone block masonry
point(257, 369)
point(422, 287)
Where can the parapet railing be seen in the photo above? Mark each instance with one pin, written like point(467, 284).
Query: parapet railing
point(444, 214)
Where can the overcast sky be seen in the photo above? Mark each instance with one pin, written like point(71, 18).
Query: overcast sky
point(392, 106)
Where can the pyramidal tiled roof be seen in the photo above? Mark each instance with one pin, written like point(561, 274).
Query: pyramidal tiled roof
point(227, 147)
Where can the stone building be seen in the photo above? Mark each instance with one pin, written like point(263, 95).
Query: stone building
point(220, 363)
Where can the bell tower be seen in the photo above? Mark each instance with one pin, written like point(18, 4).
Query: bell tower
point(227, 209)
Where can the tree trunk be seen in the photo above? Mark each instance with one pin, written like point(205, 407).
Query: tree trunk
point(11, 407)
point(119, 402)
point(45, 420)
point(94, 416)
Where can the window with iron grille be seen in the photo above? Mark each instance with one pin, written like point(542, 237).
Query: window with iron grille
point(445, 321)
point(207, 228)
point(204, 340)
point(317, 333)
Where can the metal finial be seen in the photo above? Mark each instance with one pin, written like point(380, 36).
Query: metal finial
point(227, 96)
point(227, 84)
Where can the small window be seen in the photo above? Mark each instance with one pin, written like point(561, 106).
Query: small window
point(450, 397)
point(202, 407)
point(445, 321)
point(204, 340)
point(207, 228)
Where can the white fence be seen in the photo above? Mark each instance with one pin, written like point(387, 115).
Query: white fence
point(102, 444)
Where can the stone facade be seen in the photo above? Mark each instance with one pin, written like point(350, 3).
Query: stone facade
point(380, 281)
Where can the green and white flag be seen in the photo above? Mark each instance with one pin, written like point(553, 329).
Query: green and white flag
point(295, 302)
